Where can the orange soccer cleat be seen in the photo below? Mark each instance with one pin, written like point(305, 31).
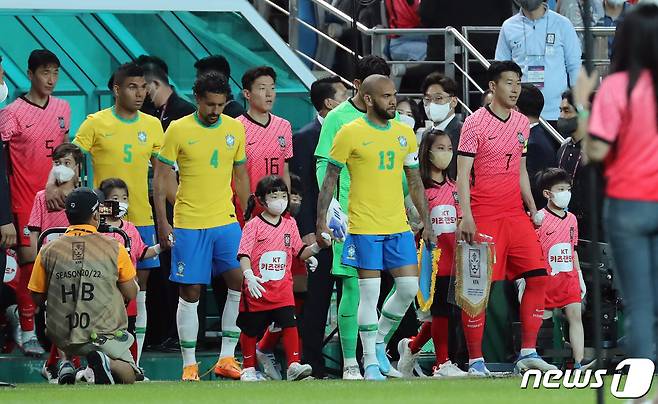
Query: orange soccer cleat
point(228, 367)
point(191, 373)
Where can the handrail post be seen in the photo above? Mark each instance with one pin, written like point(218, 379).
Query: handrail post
point(449, 53)
point(377, 43)
point(466, 96)
point(293, 26)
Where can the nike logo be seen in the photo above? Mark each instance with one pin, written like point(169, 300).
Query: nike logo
point(248, 356)
point(261, 240)
point(431, 199)
point(251, 143)
point(367, 143)
point(191, 142)
point(491, 137)
point(548, 234)
point(30, 125)
point(164, 118)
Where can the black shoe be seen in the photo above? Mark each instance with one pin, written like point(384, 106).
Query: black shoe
point(100, 364)
point(66, 373)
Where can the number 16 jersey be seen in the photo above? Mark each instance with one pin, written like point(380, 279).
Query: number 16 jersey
point(497, 147)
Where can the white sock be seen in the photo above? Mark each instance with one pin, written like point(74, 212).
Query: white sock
point(187, 322)
point(28, 335)
point(527, 351)
point(472, 361)
point(349, 362)
point(406, 288)
point(140, 323)
point(367, 318)
point(230, 330)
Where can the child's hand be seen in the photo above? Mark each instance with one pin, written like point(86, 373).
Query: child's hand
point(312, 264)
point(254, 284)
point(583, 288)
point(538, 218)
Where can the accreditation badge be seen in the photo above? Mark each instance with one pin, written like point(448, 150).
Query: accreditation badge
point(474, 268)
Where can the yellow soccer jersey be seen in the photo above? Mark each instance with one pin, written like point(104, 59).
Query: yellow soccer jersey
point(205, 157)
point(122, 149)
point(375, 157)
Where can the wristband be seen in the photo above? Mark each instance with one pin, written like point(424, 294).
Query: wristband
point(583, 114)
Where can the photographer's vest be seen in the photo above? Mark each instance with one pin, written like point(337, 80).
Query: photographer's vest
point(83, 297)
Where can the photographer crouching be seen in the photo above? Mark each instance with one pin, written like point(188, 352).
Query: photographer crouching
point(86, 279)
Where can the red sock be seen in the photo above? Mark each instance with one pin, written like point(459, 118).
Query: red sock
point(421, 338)
point(53, 357)
point(473, 331)
point(299, 304)
point(248, 346)
point(24, 300)
point(440, 339)
point(290, 341)
point(133, 350)
point(532, 310)
point(269, 340)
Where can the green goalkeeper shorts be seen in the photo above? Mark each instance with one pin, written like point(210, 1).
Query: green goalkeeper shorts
point(338, 269)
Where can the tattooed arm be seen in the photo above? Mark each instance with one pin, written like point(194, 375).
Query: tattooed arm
point(324, 200)
point(417, 193)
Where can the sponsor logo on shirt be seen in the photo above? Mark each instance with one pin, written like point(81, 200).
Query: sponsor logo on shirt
point(230, 141)
point(282, 141)
point(141, 137)
point(286, 239)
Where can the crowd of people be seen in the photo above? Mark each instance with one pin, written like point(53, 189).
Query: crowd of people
point(212, 193)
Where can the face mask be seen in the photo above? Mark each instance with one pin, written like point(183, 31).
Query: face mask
point(437, 112)
point(294, 208)
point(277, 206)
point(561, 199)
point(4, 91)
point(441, 159)
point(63, 173)
point(407, 120)
point(530, 5)
point(567, 126)
point(123, 209)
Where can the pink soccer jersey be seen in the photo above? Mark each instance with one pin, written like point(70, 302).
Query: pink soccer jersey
point(32, 133)
point(444, 212)
point(137, 246)
point(41, 219)
point(271, 249)
point(268, 147)
point(497, 147)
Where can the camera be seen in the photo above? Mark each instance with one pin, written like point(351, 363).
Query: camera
point(109, 209)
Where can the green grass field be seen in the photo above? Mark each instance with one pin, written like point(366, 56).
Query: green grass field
point(315, 391)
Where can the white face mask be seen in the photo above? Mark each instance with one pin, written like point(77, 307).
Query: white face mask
point(123, 209)
point(63, 173)
point(561, 199)
point(4, 91)
point(277, 206)
point(437, 112)
point(616, 3)
point(407, 120)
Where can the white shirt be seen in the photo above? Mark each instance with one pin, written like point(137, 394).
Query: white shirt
point(443, 125)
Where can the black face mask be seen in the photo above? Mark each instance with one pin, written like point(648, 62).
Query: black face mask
point(567, 126)
point(294, 208)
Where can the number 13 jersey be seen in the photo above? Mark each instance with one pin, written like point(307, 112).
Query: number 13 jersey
point(497, 147)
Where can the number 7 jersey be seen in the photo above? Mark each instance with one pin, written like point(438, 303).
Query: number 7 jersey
point(497, 147)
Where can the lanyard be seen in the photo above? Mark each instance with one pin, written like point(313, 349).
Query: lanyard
point(525, 39)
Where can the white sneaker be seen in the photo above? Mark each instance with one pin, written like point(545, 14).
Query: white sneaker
point(407, 358)
point(448, 369)
point(250, 375)
point(352, 373)
point(12, 318)
point(267, 361)
point(532, 361)
point(85, 375)
point(297, 371)
point(393, 373)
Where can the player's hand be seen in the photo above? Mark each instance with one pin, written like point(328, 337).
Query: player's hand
point(165, 235)
point(7, 235)
point(254, 284)
point(55, 198)
point(466, 229)
point(312, 264)
point(428, 237)
point(322, 240)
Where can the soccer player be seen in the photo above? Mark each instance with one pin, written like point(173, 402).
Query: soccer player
point(122, 141)
point(33, 126)
point(558, 235)
point(492, 147)
point(343, 114)
point(209, 148)
point(269, 137)
point(219, 64)
point(377, 152)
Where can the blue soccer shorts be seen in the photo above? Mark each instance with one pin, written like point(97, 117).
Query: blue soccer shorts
point(380, 252)
point(150, 238)
point(200, 255)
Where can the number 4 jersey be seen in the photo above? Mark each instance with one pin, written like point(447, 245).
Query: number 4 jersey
point(32, 133)
point(268, 147)
point(496, 147)
point(271, 249)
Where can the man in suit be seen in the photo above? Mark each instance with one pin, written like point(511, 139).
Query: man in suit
point(439, 102)
point(326, 94)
